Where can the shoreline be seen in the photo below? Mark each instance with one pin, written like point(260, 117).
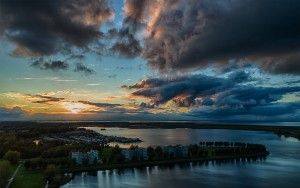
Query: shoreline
point(152, 125)
point(158, 163)
point(288, 131)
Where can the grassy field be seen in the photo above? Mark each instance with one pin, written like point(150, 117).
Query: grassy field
point(27, 179)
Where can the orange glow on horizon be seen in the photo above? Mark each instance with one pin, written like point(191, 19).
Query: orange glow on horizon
point(74, 108)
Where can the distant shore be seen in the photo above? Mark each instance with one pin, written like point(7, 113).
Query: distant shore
point(288, 131)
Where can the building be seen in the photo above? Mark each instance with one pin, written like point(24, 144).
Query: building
point(126, 154)
point(169, 152)
point(178, 151)
point(90, 157)
point(136, 154)
point(181, 151)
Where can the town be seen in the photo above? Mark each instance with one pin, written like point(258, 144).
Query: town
point(85, 136)
point(161, 153)
point(53, 153)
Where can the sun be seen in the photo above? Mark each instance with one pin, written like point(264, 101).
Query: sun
point(74, 108)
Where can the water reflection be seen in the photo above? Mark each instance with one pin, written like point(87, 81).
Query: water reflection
point(280, 169)
point(109, 177)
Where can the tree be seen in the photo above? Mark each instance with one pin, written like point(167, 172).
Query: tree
point(193, 151)
point(12, 156)
point(106, 155)
point(4, 172)
point(158, 153)
point(51, 171)
point(150, 153)
point(117, 156)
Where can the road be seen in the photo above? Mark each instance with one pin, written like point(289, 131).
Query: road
point(14, 175)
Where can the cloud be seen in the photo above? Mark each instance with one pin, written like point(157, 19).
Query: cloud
point(50, 26)
point(146, 105)
point(101, 105)
point(57, 65)
point(149, 83)
point(287, 112)
point(80, 67)
point(182, 34)
point(247, 97)
point(134, 11)
point(54, 79)
point(187, 88)
point(288, 64)
point(7, 114)
point(220, 97)
point(43, 99)
point(50, 65)
point(170, 35)
point(98, 84)
point(125, 43)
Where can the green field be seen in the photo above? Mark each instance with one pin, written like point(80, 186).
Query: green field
point(27, 179)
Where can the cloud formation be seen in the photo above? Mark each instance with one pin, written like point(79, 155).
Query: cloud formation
point(8, 114)
point(125, 43)
point(216, 96)
point(46, 27)
point(50, 65)
point(44, 99)
point(191, 34)
point(185, 90)
point(170, 35)
point(103, 105)
point(273, 112)
point(80, 67)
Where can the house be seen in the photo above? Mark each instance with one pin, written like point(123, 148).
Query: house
point(181, 151)
point(169, 152)
point(178, 151)
point(77, 157)
point(137, 154)
point(90, 157)
point(126, 154)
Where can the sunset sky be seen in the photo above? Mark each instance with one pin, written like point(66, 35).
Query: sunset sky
point(118, 60)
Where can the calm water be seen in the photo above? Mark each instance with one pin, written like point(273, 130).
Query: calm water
point(280, 169)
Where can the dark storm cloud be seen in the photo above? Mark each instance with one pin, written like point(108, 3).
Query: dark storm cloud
point(149, 83)
point(210, 96)
point(267, 112)
point(250, 96)
point(129, 48)
point(44, 27)
point(80, 67)
point(44, 99)
point(50, 65)
point(283, 65)
point(185, 90)
point(134, 11)
point(11, 114)
point(187, 34)
point(125, 44)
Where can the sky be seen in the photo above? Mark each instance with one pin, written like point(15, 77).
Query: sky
point(150, 60)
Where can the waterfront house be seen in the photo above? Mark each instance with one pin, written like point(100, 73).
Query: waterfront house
point(178, 151)
point(138, 154)
point(126, 154)
point(169, 152)
point(90, 157)
point(181, 151)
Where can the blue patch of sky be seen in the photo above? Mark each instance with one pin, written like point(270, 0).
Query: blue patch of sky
point(111, 72)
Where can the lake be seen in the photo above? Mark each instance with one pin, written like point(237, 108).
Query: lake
point(280, 169)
